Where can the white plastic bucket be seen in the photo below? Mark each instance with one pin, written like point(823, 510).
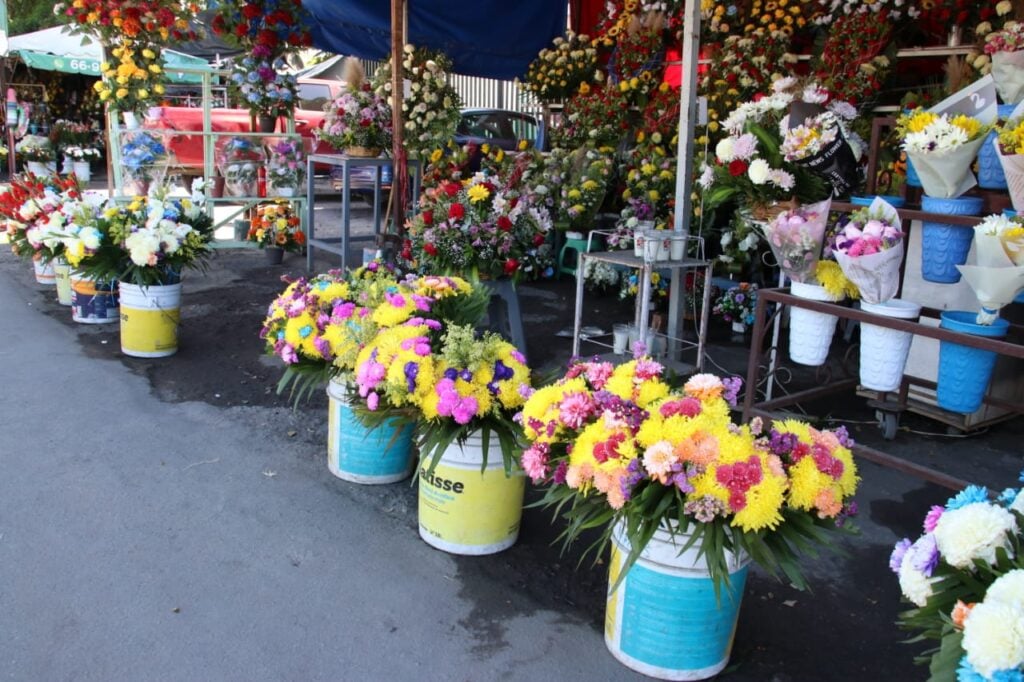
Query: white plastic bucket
point(62, 277)
point(810, 332)
point(149, 319)
point(361, 455)
point(43, 271)
point(464, 511)
point(664, 619)
point(92, 302)
point(82, 170)
point(883, 352)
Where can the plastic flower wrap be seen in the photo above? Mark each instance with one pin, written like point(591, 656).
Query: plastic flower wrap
point(1006, 48)
point(737, 304)
point(276, 224)
point(142, 155)
point(796, 237)
point(944, 140)
point(615, 444)
point(821, 143)
point(1010, 148)
point(869, 248)
point(998, 275)
point(286, 165)
point(479, 228)
point(239, 159)
point(964, 579)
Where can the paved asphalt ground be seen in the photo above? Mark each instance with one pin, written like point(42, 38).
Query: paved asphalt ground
point(152, 533)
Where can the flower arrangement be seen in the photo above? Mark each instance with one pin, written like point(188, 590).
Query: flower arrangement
point(286, 164)
point(739, 241)
point(997, 277)
point(942, 148)
point(266, 28)
point(148, 241)
point(831, 11)
point(824, 143)
point(141, 153)
point(600, 276)
point(584, 177)
point(629, 287)
point(737, 304)
point(596, 118)
point(478, 229)
point(262, 86)
point(34, 148)
point(1006, 50)
point(766, 15)
point(239, 159)
point(67, 133)
point(635, 64)
point(275, 224)
point(113, 19)
point(358, 117)
point(562, 70)
point(34, 213)
point(796, 237)
point(650, 187)
point(80, 153)
point(616, 445)
point(135, 81)
point(853, 65)
point(430, 112)
point(963, 578)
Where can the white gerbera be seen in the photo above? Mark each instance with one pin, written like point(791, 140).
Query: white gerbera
point(974, 531)
point(994, 637)
point(759, 171)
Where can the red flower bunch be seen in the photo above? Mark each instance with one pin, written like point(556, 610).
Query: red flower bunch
point(598, 118)
point(852, 66)
point(266, 27)
point(939, 17)
point(157, 20)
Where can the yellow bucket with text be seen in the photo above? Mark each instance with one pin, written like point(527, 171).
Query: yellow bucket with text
point(149, 320)
point(465, 511)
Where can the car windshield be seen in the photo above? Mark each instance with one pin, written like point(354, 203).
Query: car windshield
point(313, 96)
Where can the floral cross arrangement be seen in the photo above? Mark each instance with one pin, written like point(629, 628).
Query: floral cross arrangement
point(617, 445)
point(275, 224)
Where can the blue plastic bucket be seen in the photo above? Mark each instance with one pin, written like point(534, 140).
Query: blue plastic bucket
point(894, 201)
point(944, 246)
point(664, 620)
point(361, 455)
point(964, 373)
point(1009, 213)
point(912, 178)
point(990, 169)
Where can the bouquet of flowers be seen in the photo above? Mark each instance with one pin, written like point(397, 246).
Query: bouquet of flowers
point(596, 117)
point(737, 304)
point(79, 153)
point(585, 176)
point(141, 154)
point(630, 284)
point(150, 240)
point(358, 117)
point(239, 159)
point(286, 165)
point(614, 445)
point(1006, 47)
point(34, 213)
point(998, 275)
point(1010, 147)
point(430, 112)
point(136, 81)
point(275, 224)
point(266, 28)
point(635, 65)
point(34, 148)
point(796, 237)
point(650, 187)
point(563, 69)
point(964, 580)
point(262, 87)
point(943, 147)
point(823, 143)
point(869, 249)
point(478, 229)
point(740, 242)
point(600, 276)
point(113, 19)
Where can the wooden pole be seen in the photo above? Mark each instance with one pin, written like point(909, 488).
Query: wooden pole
point(687, 116)
point(400, 176)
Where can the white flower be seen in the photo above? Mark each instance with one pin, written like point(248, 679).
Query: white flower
point(707, 176)
point(914, 584)
point(759, 171)
point(973, 532)
point(1007, 589)
point(994, 637)
point(723, 150)
point(726, 238)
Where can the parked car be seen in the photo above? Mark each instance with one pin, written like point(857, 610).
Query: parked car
point(501, 128)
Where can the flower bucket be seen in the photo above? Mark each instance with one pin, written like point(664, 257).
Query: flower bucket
point(883, 351)
point(465, 511)
point(93, 302)
point(266, 123)
point(273, 254)
point(62, 276)
point(664, 620)
point(43, 271)
point(361, 455)
point(912, 178)
point(37, 168)
point(287, 192)
point(944, 246)
point(363, 152)
point(149, 319)
point(83, 171)
point(964, 373)
point(810, 332)
point(990, 168)
point(892, 200)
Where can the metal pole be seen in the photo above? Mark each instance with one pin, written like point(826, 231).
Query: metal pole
point(399, 180)
point(687, 116)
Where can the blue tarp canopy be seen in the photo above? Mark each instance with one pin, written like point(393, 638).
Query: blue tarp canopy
point(489, 38)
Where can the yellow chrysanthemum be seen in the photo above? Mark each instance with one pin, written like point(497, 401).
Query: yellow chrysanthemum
point(299, 332)
point(542, 407)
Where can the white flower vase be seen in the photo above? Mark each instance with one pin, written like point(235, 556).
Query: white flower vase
point(810, 332)
point(82, 170)
point(883, 351)
point(131, 121)
point(67, 165)
point(738, 327)
point(37, 168)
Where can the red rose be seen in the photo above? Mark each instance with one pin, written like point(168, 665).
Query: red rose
point(504, 224)
point(539, 239)
point(737, 167)
point(511, 265)
point(428, 217)
point(251, 11)
point(241, 29)
point(451, 188)
point(430, 248)
point(456, 211)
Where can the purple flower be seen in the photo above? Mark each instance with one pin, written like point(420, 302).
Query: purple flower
point(558, 478)
point(898, 552)
point(411, 371)
point(843, 436)
point(925, 554)
point(732, 389)
point(931, 519)
point(782, 443)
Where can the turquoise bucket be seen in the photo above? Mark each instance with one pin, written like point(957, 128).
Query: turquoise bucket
point(990, 168)
point(894, 201)
point(361, 455)
point(964, 373)
point(945, 246)
point(912, 178)
point(664, 620)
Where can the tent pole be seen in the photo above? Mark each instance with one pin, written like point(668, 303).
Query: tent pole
point(400, 177)
point(687, 116)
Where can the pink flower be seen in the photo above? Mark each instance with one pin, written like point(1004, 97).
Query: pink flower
point(575, 409)
point(648, 369)
point(372, 401)
point(931, 519)
point(535, 462)
point(598, 373)
point(465, 410)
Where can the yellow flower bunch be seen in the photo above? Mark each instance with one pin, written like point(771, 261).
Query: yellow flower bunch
point(830, 275)
point(135, 81)
point(776, 15)
point(821, 469)
point(563, 69)
point(1011, 137)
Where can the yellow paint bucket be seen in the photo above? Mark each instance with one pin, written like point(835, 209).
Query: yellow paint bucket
point(464, 511)
point(62, 273)
point(149, 320)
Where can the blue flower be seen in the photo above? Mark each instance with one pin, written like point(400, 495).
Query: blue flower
point(969, 495)
point(1007, 497)
point(966, 673)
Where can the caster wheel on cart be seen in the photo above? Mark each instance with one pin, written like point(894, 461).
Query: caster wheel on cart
point(888, 422)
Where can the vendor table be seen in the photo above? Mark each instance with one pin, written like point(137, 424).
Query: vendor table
point(340, 245)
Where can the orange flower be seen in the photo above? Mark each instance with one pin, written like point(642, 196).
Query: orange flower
point(959, 614)
point(282, 238)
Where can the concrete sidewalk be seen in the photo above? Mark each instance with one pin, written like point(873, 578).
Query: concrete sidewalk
point(141, 540)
